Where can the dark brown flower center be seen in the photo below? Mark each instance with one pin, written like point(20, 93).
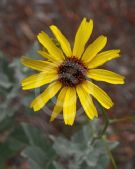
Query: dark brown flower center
point(72, 72)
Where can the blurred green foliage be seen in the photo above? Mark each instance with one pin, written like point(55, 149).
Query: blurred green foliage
point(42, 150)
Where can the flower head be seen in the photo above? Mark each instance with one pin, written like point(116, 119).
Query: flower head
point(69, 73)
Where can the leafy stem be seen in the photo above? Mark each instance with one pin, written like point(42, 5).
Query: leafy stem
point(109, 153)
point(103, 131)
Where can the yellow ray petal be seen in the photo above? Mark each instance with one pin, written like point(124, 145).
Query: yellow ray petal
point(94, 48)
point(103, 57)
point(65, 45)
point(83, 34)
point(47, 55)
point(86, 102)
point(98, 93)
point(38, 80)
point(44, 97)
point(69, 106)
point(45, 40)
point(59, 104)
point(39, 65)
point(106, 76)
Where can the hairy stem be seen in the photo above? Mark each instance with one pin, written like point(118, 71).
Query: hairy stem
point(103, 131)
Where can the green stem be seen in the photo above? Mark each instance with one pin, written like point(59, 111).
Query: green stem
point(110, 154)
point(122, 119)
point(102, 134)
point(106, 120)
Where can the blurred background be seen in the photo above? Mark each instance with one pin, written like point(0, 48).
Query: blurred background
point(22, 133)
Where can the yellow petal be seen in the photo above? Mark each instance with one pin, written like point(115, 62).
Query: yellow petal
point(83, 34)
point(55, 52)
point(44, 97)
point(106, 76)
point(46, 55)
point(86, 102)
point(94, 48)
point(39, 65)
point(38, 80)
point(69, 106)
point(98, 93)
point(103, 57)
point(65, 45)
point(59, 104)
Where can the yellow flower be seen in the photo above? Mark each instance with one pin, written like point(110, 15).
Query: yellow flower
point(70, 73)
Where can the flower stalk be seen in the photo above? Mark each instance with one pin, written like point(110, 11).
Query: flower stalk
point(102, 134)
point(106, 124)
